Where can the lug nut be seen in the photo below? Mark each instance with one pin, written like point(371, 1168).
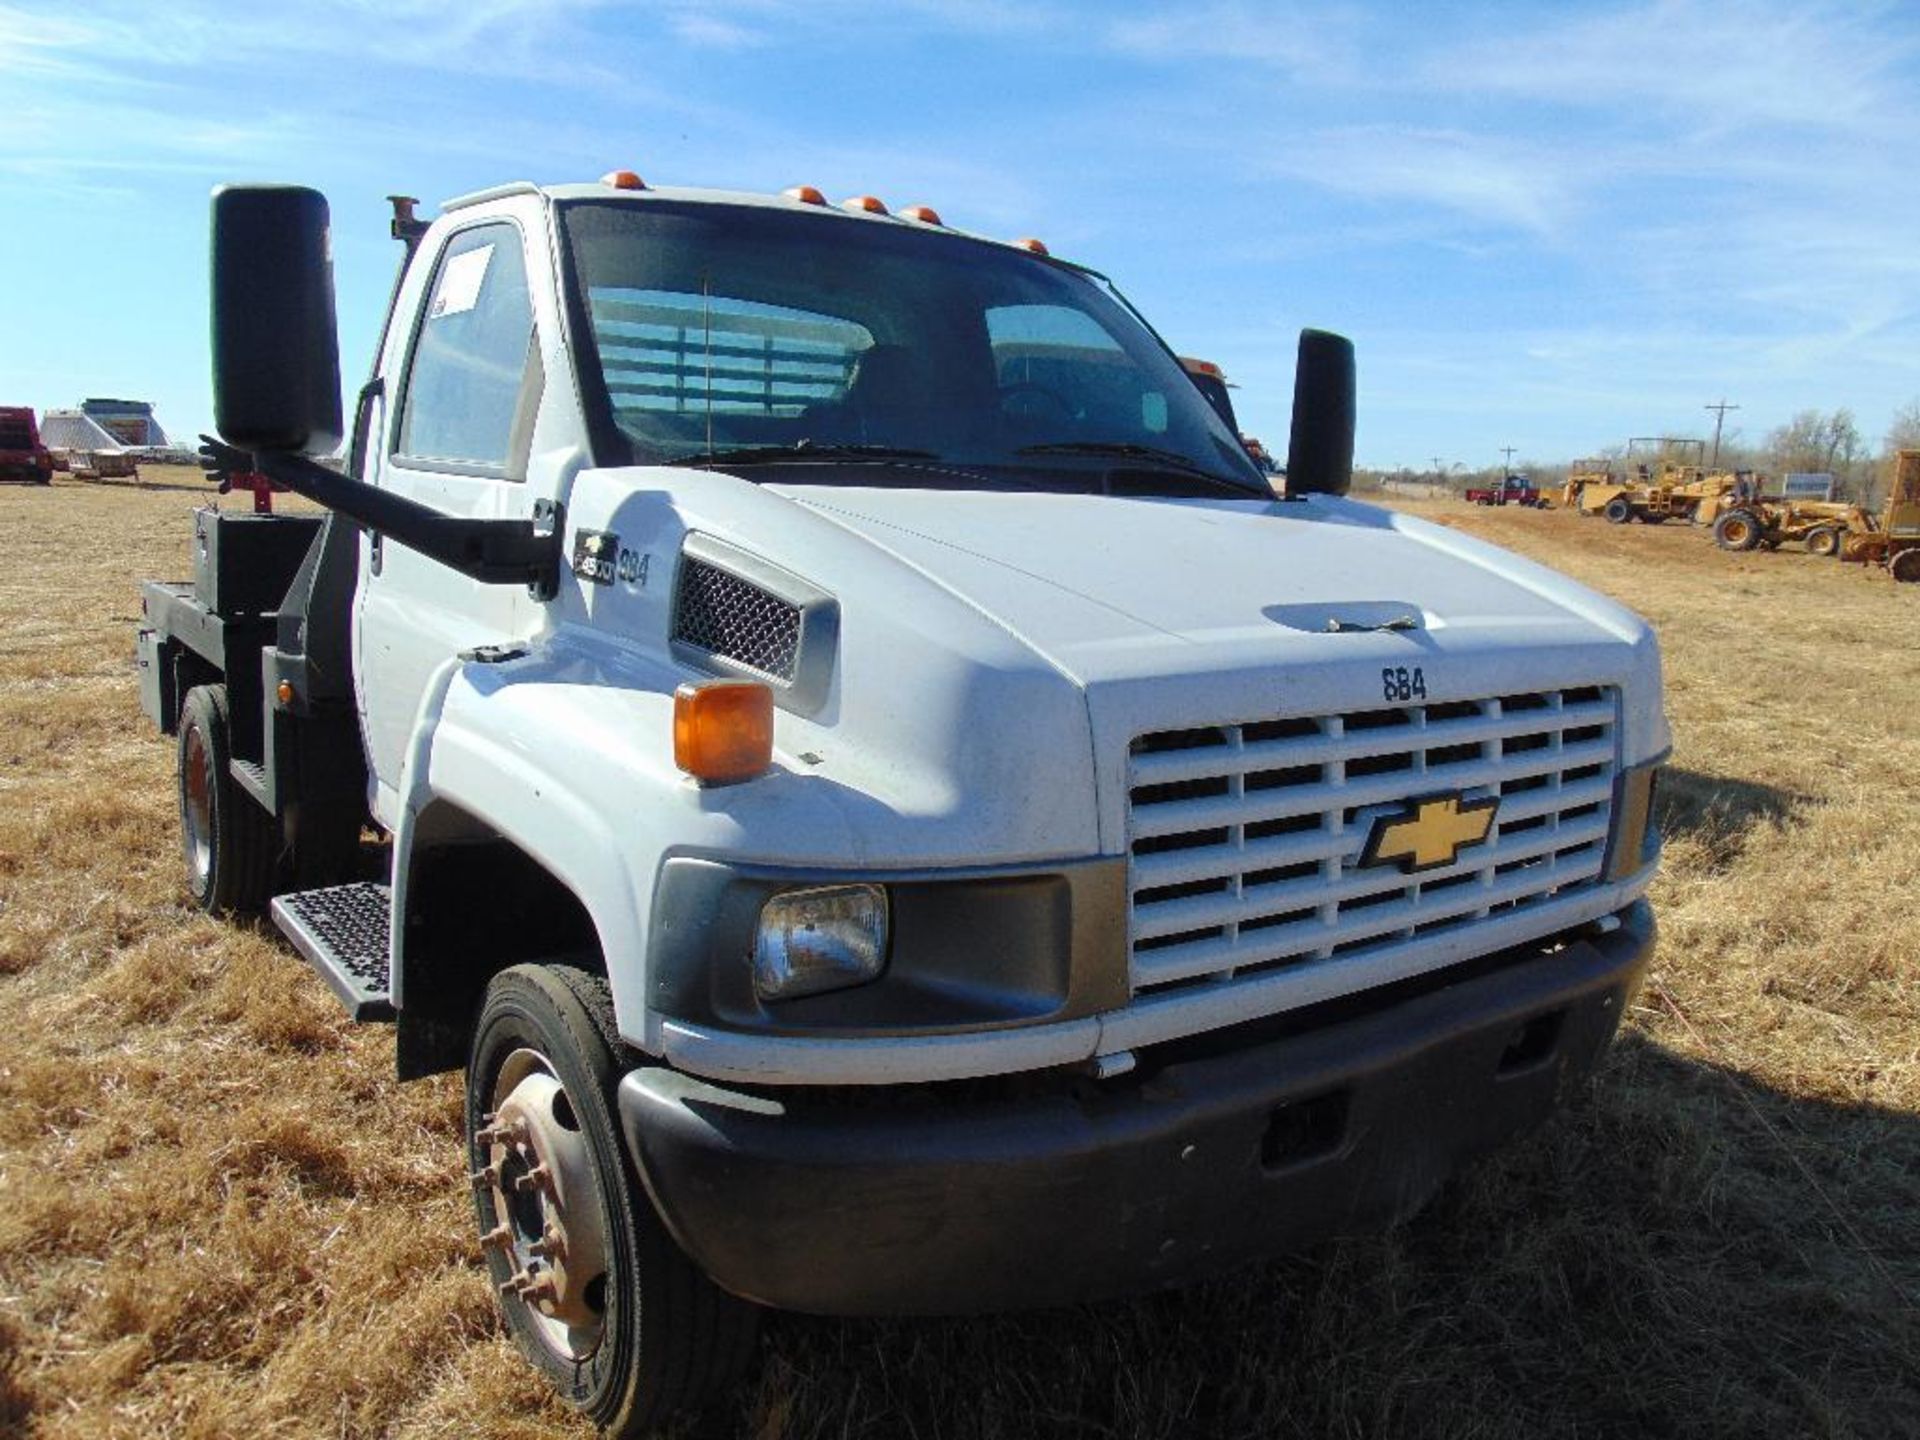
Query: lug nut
point(535, 1179)
point(516, 1283)
point(498, 1238)
point(540, 1288)
point(508, 1133)
point(485, 1176)
point(550, 1244)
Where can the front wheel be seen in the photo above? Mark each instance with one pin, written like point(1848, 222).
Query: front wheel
point(1618, 511)
point(595, 1291)
point(1823, 540)
point(1736, 530)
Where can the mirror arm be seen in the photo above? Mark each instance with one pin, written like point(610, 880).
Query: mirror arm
point(494, 552)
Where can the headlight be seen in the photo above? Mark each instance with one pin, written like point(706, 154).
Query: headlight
point(810, 941)
point(1636, 838)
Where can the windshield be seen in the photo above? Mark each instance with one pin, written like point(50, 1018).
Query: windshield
point(741, 335)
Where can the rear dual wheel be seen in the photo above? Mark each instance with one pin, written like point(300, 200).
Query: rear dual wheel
point(596, 1293)
point(231, 844)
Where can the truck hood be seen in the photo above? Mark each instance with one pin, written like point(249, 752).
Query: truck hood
point(1109, 587)
point(1178, 613)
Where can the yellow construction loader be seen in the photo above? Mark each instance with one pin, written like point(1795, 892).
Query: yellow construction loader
point(1892, 538)
point(1664, 479)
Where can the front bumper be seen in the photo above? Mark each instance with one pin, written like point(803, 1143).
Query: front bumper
point(1047, 1190)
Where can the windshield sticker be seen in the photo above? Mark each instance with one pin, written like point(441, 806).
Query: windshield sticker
point(460, 281)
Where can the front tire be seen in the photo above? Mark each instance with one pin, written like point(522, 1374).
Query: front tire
point(1824, 541)
point(1736, 530)
point(230, 844)
point(1618, 511)
point(596, 1293)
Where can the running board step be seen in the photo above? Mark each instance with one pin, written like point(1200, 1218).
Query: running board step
point(342, 932)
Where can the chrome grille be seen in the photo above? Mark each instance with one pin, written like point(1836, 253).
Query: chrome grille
point(724, 615)
point(1245, 840)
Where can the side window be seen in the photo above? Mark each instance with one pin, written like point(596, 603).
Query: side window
point(470, 356)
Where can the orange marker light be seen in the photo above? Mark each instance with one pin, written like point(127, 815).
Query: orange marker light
point(869, 203)
point(284, 690)
point(1031, 244)
point(925, 214)
point(723, 730)
point(805, 194)
point(623, 180)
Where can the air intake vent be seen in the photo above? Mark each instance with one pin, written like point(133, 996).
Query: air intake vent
point(722, 615)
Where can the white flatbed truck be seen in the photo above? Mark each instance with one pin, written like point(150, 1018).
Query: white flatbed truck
point(891, 810)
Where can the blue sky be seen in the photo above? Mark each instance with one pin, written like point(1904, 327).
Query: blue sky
point(1546, 226)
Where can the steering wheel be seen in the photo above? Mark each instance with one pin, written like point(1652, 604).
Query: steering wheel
point(1033, 387)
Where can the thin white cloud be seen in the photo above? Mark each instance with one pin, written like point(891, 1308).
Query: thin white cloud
point(1489, 180)
point(1318, 43)
point(1716, 66)
point(715, 32)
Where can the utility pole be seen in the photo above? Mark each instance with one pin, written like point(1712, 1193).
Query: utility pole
point(1438, 468)
point(1507, 450)
point(1719, 415)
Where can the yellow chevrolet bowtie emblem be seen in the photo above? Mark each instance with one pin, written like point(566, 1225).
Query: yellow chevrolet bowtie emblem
point(1429, 832)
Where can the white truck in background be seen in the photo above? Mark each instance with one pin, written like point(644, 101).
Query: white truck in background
point(889, 807)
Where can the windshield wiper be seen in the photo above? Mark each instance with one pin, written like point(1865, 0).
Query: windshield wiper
point(1128, 450)
point(800, 450)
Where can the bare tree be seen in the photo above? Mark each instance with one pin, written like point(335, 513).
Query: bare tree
point(1903, 433)
point(1813, 441)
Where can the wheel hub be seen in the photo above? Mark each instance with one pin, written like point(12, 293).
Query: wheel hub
point(547, 1204)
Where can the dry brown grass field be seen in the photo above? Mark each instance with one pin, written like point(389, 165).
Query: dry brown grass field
point(219, 1215)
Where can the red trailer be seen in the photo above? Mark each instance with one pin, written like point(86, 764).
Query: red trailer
point(22, 456)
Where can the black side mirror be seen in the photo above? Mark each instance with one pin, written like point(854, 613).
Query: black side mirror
point(276, 355)
point(1320, 451)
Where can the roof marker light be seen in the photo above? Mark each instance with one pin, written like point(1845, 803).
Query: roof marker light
point(869, 203)
point(623, 180)
point(925, 214)
point(805, 194)
point(1029, 243)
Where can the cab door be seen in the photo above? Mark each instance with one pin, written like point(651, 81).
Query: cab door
point(456, 429)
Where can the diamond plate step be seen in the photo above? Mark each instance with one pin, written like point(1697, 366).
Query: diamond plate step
point(342, 932)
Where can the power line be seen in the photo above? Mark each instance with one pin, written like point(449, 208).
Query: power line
point(1719, 416)
point(1507, 450)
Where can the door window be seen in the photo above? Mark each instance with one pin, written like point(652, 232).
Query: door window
point(470, 356)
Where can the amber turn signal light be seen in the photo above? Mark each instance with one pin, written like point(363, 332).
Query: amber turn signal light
point(623, 180)
point(723, 730)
